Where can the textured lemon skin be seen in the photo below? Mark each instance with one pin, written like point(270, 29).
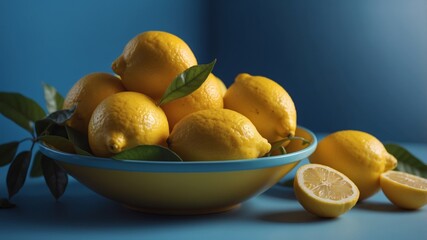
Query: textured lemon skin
point(125, 120)
point(319, 207)
point(217, 134)
point(151, 61)
point(358, 155)
point(265, 103)
point(402, 195)
point(207, 96)
point(221, 84)
point(86, 94)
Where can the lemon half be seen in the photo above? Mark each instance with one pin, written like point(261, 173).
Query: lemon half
point(404, 190)
point(324, 191)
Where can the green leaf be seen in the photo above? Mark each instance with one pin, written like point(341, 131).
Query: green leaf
point(18, 172)
point(20, 109)
point(406, 162)
point(55, 176)
point(148, 153)
point(187, 82)
point(54, 123)
point(54, 100)
point(5, 203)
point(7, 152)
point(36, 168)
point(56, 142)
point(61, 116)
point(80, 141)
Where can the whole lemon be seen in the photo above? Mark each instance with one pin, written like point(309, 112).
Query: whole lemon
point(207, 96)
point(151, 61)
point(265, 103)
point(125, 120)
point(358, 155)
point(86, 94)
point(217, 134)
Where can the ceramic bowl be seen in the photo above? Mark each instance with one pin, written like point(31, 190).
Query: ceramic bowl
point(168, 187)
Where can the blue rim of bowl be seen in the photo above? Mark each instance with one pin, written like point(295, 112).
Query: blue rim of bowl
point(177, 167)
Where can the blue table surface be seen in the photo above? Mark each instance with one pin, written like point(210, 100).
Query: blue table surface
point(275, 214)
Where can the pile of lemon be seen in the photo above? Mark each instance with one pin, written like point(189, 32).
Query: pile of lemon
point(118, 112)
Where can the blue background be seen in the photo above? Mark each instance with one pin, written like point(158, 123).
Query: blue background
point(347, 64)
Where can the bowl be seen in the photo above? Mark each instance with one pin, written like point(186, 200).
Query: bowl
point(167, 187)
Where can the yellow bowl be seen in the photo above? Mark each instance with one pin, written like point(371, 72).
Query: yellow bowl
point(182, 187)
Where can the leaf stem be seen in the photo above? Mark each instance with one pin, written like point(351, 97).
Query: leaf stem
point(304, 141)
point(277, 145)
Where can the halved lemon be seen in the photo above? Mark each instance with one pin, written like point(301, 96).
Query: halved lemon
point(404, 190)
point(324, 191)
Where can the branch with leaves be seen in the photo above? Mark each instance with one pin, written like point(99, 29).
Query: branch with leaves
point(27, 114)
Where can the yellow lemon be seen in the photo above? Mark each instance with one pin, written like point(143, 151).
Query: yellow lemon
point(265, 103)
point(221, 85)
point(86, 94)
point(151, 61)
point(404, 190)
point(207, 96)
point(324, 191)
point(217, 134)
point(125, 120)
point(359, 155)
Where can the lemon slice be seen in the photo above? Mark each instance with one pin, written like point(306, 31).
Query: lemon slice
point(324, 191)
point(404, 190)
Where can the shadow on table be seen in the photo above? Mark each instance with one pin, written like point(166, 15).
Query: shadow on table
point(379, 207)
point(282, 192)
point(84, 209)
point(293, 216)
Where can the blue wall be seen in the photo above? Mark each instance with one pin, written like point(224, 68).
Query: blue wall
point(347, 64)
point(58, 42)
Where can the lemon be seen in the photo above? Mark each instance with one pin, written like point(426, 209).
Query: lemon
point(151, 61)
point(207, 96)
point(217, 134)
point(86, 94)
point(404, 190)
point(222, 87)
point(265, 103)
point(359, 155)
point(125, 120)
point(324, 191)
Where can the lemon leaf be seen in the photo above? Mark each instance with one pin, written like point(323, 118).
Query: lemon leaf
point(406, 162)
point(54, 100)
point(21, 110)
point(61, 116)
point(148, 153)
point(36, 168)
point(80, 141)
point(60, 143)
point(187, 82)
point(17, 172)
point(7, 152)
point(53, 121)
point(55, 176)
